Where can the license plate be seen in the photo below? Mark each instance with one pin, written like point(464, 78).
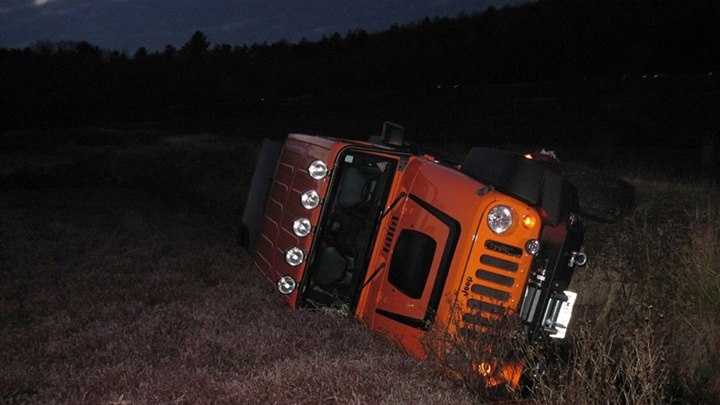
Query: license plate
point(564, 315)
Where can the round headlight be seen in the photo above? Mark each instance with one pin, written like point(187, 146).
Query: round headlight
point(310, 199)
point(294, 256)
point(302, 227)
point(500, 218)
point(286, 285)
point(532, 246)
point(318, 170)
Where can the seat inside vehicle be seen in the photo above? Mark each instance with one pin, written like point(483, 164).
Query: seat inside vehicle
point(330, 266)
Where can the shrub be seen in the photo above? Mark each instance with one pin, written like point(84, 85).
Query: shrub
point(485, 360)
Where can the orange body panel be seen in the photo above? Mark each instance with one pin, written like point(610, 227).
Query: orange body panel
point(461, 198)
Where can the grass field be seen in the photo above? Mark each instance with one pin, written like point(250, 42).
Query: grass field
point(121, 283)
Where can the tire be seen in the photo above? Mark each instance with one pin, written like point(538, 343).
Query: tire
point(601, 197)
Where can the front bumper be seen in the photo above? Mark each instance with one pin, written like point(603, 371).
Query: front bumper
point(546, 298)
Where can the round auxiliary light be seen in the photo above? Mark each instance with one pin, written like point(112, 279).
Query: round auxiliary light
point(318, 170)
point(286, 285)
point(302, 227)
point(310, 199)
point(294, 256)
point(500, 219)
point(532, 246)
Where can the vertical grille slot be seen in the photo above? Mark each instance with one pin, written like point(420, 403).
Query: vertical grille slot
point(495, 278)
point(477, 320)
point(503, 248)
point(490, 292)
point(498, 263)
point(390, 234)
point(486, 307)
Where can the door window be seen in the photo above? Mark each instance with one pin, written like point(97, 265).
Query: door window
point(411, 262)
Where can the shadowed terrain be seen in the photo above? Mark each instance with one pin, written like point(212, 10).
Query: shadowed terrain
point(121, 283)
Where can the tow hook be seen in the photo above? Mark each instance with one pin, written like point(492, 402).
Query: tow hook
point(578, 259)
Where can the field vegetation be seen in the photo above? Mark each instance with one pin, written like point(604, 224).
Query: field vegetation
point(121, 283)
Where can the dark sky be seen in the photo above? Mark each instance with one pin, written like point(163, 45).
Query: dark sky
point(129, 24)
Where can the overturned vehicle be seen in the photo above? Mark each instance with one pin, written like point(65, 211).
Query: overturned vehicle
point(406, 242)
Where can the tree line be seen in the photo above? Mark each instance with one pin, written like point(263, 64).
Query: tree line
point(58, 84)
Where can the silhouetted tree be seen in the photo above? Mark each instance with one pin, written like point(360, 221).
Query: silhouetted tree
point(197, 46)
point(169, 52)
point(445, 63)
point(140, 54)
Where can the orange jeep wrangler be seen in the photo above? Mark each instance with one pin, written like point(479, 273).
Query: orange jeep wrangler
point(405, 242)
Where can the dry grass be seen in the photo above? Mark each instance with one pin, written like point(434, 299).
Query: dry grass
point(623, 363)
point(111, 296)
point(120, 283)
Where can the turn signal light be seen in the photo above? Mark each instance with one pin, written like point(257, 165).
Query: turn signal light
point(528, 222)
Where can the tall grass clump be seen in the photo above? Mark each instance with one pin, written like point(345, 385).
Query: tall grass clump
point(486, 360)
point(696, 308)
point(611, 364)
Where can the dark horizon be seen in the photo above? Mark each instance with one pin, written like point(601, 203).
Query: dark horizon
point(544, 73)
point(130, 24)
